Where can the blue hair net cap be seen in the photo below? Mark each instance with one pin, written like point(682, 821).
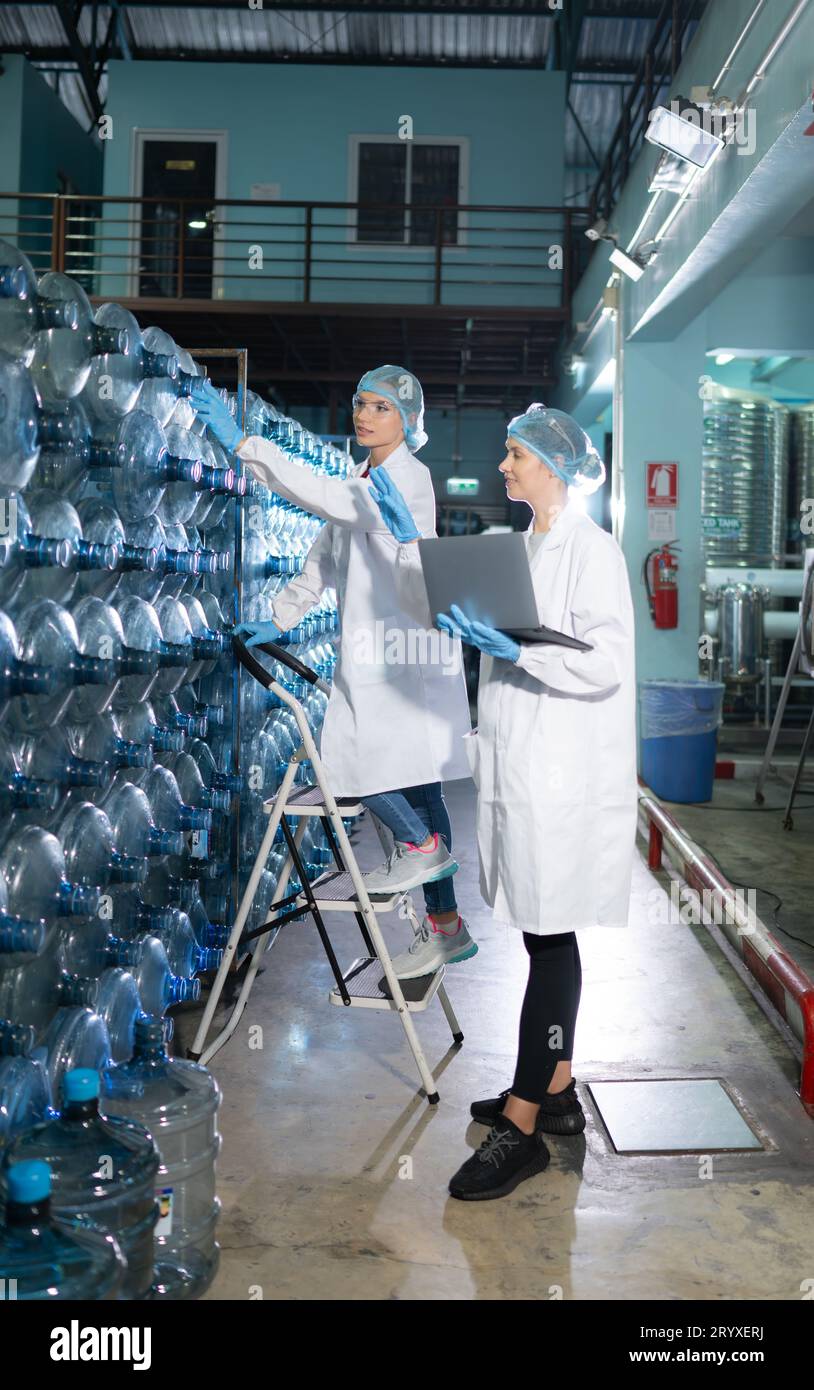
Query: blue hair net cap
point(398, 385)
point(562, 444)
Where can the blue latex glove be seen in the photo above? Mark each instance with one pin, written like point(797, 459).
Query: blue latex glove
point(213, 410)
point(487, 639)
point(255, 634)
point(392, 506)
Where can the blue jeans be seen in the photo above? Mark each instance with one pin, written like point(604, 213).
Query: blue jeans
point(412, 814)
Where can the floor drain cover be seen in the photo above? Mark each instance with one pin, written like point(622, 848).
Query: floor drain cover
point(671, 1117)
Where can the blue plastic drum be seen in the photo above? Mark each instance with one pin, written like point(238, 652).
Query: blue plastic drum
point(679, 737)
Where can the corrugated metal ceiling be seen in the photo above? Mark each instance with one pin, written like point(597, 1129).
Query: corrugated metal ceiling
point(310, 30)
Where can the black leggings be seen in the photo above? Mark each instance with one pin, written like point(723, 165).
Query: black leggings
point(549, 1014)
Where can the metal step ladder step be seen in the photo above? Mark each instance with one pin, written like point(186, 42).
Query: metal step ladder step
point(334, 892)
point(310, 801)
point(368, 989)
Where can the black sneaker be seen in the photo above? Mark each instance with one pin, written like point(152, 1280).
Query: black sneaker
point(558, 1114)
point(505, 1159)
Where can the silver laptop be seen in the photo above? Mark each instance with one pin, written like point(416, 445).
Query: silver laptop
point(488, 577)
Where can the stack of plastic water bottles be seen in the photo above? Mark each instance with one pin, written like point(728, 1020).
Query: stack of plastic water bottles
point(121, 781)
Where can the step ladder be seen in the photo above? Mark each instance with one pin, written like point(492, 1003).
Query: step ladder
point(370, 981)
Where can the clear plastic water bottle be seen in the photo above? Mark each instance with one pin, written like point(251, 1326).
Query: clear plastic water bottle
point(89, 846)
point(177, 575)
point(186, 719)
point(101, 523)
point(142, 633)
point(178, 1103)
point(61, 362)
point(19, 677)
point(207, 639)
point(19, 442)
point(25, 1093)
point(185, 414)
point(168, 806)
point(211, 774)
point(22, 552)
point(101, 634)
point(33, 866)
point(116, 379)
point(24, 311)
point(181, 498)
point(47, 637)
point(102, 740)
point(175, 562)
point(31, 993)
point(131, 915)
point(47, 756)
point(180, 643)
point(185, 956)
point(159, 395)
point(193, 789)
point(19, 939)
point(119, 1005)
point(43, 1260)
point(76, 1037)
point(17, 791)
point(141, 725)
point(135, 831)
point(146, 959)
point(142, 466)
point(53, 516)
point(116, 1197)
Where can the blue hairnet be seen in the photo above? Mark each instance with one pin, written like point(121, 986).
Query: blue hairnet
point(562, 444)
point(404, 390)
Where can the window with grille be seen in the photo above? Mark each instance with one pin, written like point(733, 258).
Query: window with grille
point(419, 177)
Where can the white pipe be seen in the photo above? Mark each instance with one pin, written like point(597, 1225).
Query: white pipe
point(782, 583)
point(781, 626)
point(760, 72)
point(739, 41)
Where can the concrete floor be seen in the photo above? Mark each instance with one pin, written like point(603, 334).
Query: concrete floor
point(333, 1172)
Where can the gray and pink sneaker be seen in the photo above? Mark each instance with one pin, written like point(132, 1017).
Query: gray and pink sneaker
point(434, 946)
point(408, 867)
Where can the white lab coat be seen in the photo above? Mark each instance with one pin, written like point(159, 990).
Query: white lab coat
point(554, 755)
point(398, 707)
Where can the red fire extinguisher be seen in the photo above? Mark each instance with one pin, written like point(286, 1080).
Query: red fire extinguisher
point(661, 581)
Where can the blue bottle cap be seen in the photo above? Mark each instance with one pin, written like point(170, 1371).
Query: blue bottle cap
point(29, 1181)
point(80, 1084)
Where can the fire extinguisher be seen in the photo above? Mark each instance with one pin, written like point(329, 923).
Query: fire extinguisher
point(660, 575)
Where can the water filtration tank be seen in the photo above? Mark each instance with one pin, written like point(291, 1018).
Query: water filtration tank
point(744, 478)
point(801, 480)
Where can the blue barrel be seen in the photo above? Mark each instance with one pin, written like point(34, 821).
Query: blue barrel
point(679, 736)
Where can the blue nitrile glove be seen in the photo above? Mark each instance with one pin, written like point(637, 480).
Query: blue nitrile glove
point(392, 506)
point(487, 639)
point(255, 634)
point(214, 411)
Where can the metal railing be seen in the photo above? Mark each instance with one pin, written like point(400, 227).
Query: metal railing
point(654, 76)
point(181, 249)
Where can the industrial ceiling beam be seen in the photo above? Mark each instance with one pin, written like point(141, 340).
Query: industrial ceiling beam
point(69, 18)
point(457, 9)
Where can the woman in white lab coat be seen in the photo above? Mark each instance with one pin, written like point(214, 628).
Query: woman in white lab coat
point(554, 762)
point(398, 706)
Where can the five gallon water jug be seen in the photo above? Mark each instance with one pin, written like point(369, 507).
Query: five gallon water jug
point(178, 1103)
point(61, 362)
point(25, 1093)
point(24, 311)
point(42, 1258)
point(116, 379)
point(103, 1171)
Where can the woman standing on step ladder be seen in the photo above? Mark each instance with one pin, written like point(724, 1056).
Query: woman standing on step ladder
point(554, 761)
point(393, 727)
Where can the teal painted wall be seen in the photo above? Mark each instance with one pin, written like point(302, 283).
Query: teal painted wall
point(11, 108)
point(290, 126)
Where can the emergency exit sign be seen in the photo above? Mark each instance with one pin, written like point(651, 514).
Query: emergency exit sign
point(463, 487)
